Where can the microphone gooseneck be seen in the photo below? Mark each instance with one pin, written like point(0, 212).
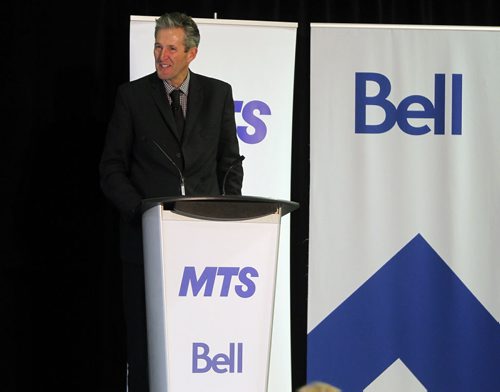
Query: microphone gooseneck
point(181, 177)
point(236, 162)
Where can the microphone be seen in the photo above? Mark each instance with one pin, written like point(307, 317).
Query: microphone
point(236, 162)
point(181, 177)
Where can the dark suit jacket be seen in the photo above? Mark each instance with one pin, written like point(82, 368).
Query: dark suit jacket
point(133, 167)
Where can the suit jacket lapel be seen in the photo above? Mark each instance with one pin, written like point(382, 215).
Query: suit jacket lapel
point(161, 101)
point(195, 103)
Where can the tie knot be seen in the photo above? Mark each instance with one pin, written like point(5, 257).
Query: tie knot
point(177, 111)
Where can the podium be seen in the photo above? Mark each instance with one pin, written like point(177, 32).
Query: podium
point(210, 272)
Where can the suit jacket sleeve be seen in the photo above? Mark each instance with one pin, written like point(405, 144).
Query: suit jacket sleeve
point(115, 161)
point(228, 151)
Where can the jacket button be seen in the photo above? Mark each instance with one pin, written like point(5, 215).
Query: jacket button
point(178, 155)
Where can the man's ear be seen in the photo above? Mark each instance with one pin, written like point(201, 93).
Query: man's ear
point(192, 54)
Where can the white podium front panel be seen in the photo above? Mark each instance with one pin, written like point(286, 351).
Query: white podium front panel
point(210, 294)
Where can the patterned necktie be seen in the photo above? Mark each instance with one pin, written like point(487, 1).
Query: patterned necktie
point(177, 110)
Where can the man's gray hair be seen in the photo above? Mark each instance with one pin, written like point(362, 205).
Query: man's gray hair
point(177, 19)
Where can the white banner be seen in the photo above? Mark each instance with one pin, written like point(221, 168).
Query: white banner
point(258, 60)
point(404, 275)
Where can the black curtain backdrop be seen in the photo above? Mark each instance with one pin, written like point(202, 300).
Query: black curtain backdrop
point(61, 323)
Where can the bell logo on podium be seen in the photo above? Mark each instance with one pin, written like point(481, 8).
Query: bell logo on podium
point(232, 362)
point(210, 275)
point(210, 291)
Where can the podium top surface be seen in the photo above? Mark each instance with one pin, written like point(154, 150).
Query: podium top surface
point(221, 207)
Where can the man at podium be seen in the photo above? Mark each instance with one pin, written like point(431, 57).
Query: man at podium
point(171, 133)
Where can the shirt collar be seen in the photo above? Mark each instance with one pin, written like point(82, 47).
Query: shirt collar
point(184, 87)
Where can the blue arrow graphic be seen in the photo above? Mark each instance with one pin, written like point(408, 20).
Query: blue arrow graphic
point(414, 308)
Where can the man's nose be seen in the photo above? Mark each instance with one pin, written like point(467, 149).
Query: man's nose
point(164, 54)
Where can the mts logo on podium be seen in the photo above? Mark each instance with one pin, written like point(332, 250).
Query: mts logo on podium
point(208, 277)
point(230, 362)
point(410, 108)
